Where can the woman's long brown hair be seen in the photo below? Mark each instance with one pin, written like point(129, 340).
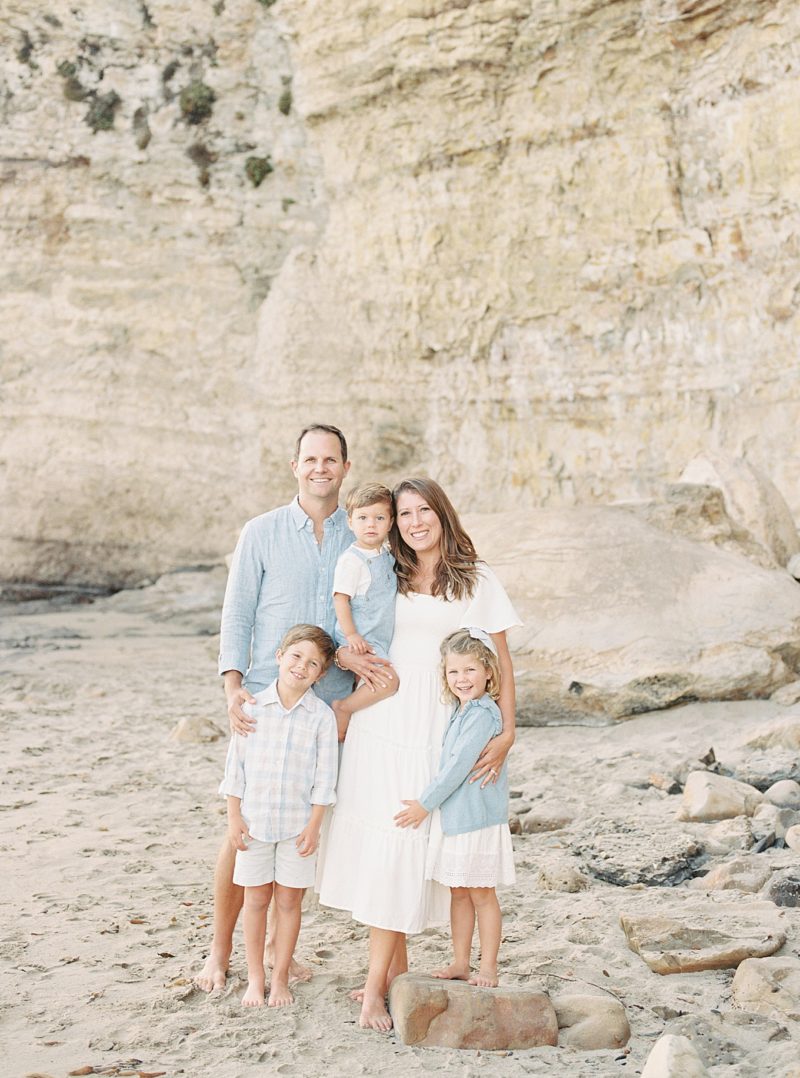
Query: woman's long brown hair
point(456, 574)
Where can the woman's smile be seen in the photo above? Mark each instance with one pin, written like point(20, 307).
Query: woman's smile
point(418, 524)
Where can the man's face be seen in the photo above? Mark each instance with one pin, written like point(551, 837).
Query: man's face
point(319, 469)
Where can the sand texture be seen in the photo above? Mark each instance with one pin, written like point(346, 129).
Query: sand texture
point(110, 830)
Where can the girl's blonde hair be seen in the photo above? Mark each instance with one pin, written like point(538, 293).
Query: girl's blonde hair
point(461, 643)
point(456, 574)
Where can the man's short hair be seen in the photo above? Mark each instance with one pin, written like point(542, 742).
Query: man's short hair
point(325, 428)
point(368, 494)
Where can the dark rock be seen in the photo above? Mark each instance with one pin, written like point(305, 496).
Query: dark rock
point(784, 888)
point(656, 855)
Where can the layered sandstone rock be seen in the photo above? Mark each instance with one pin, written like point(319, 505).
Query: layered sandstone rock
point(545, 252)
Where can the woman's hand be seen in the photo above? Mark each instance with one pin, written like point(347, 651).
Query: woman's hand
point(492, 759)
point(376, 672)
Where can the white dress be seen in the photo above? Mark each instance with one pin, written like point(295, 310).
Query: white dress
point(367, 864)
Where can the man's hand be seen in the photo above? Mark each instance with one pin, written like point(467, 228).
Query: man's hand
point(374, 671)
point(237, 831)
point(235, 696)
point(492, 759)
point(357, 644)
point(412, 815)
point(308, 840)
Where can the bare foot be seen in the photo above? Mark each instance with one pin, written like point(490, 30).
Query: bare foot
point(375, 1016)
point(342, 718)
point(486, 977)
point(454, 972)
point(297, 973)
point(279, 994)
point(254, 996)
point(213, 973)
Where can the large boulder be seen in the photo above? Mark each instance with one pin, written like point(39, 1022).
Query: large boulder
point(707, 796)
point(751, 499)
point(454, 1014)
point(622, 617)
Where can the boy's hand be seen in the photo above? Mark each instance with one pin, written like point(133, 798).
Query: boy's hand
point(308, 840)
point(358, 644)
point(237, 832)
point(412, 815)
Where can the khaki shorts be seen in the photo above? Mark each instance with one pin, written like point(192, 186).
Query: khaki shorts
point(273, 862)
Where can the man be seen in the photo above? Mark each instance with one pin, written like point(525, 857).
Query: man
point(281, 575)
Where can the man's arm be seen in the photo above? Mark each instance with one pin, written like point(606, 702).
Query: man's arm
point(236, 626)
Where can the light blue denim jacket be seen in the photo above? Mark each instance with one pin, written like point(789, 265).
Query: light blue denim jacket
point(467, 806)
point(278, 578)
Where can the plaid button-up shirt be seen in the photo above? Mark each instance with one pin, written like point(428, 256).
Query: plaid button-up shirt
point(286, 765)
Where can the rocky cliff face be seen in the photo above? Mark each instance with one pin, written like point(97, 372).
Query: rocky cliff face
point(545, 252)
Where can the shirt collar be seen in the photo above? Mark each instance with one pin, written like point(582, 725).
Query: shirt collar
point(307, 701)
point(303, 520)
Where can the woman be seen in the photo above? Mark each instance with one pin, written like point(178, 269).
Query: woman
point(370, 866)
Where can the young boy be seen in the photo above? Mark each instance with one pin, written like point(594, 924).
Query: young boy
point(364, 592)
point(278, 782)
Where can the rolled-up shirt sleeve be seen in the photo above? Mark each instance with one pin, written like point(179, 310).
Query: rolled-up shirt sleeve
point(239, 606)
point(232, 784)
point(323, 790)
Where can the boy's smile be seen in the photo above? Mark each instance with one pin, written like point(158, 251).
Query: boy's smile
point(299, 667)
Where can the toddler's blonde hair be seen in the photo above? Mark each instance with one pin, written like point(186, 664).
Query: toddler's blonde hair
point(461, 643)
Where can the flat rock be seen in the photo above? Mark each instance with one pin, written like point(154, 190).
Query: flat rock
point(673, 1056)
point(654, 854)
point(452, 1014)
point(769, 986)
point(590, 1022)
point(669, 945)
point(747, 874)
point(707, 796)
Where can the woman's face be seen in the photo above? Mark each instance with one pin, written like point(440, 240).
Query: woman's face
point(419, 527)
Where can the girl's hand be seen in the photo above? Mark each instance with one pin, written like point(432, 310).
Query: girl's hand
point(412, 815)
point(237, 832)
point(376, 672)
point(492, 759)
point(358, 644)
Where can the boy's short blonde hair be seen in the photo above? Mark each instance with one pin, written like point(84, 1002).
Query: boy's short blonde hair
point(368, 494)
point(461, 643)
point(313, 635)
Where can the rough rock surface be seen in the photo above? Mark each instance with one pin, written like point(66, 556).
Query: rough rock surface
point(674, 1057)
point(742, 874)
point(784, 887)
point(769, 986)
point(620, 617)
point(651, 853)
point(669, 945)
point(453, 1014)
point(590, 1021)
point(751, 499)
point(567, 230)
point(783, 734)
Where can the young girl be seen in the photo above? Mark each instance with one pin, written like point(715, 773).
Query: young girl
point(474, 853)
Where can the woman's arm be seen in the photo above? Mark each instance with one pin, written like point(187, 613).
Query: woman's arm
point(494, 754)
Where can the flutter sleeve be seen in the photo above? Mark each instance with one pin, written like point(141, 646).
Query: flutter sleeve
point(490, 608)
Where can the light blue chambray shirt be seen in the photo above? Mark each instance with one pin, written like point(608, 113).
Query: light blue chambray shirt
point(278, 578)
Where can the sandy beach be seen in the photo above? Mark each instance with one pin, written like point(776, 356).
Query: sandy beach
point(110, 830)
